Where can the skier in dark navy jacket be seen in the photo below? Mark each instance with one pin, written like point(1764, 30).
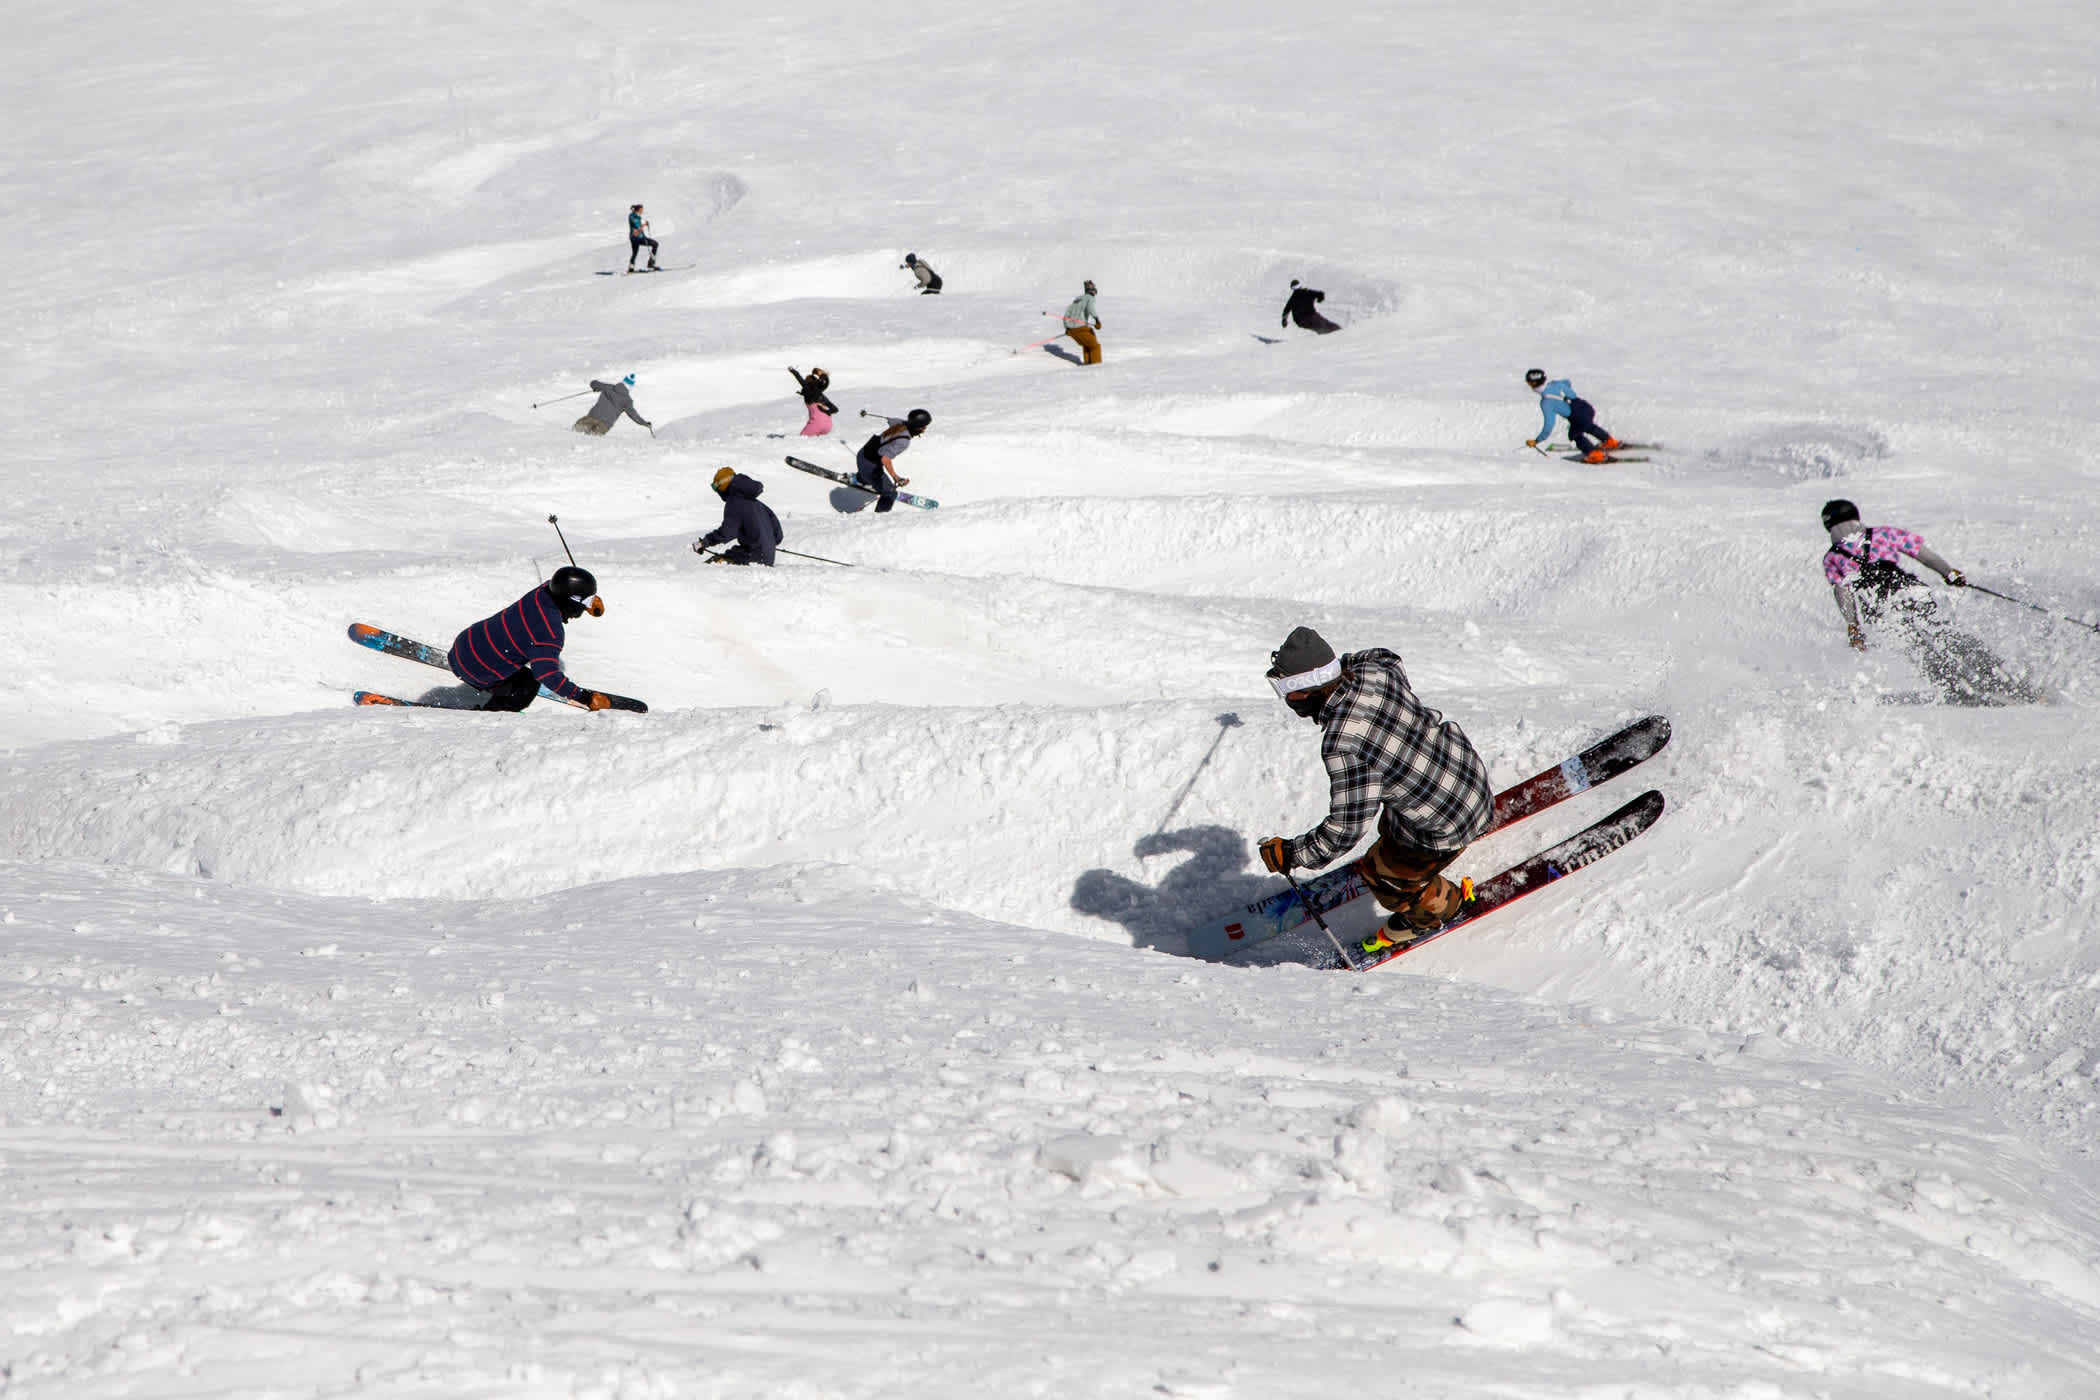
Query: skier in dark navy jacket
point(514, 653)
point(745, 518)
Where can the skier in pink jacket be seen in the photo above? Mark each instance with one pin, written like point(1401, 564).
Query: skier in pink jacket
point(1870, 586)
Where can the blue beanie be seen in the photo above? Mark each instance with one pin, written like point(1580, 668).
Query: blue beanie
point(628, 380)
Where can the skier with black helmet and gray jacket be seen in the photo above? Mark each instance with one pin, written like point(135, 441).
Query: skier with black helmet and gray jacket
point(875, 466)
point(929, 280)
point(1389, 759)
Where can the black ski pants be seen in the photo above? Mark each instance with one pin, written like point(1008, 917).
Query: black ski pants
point(869, 473)
point(516, 691)
point(635, 244)
point(1582, 426)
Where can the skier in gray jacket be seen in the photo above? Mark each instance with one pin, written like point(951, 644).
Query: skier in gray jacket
point(613, 400)
point(929, 280)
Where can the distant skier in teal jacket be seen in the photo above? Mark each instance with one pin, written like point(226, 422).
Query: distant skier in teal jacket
point(1559, 400)
point(638, 238)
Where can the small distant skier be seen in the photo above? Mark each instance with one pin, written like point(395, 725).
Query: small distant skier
point(613, 400)
point(875, 466)
point(1870, 586)
point(821, 408)
point(1388, 757)
point(1300, 309)
point(745, 519)
point(1081, 323)
point(1559, 400)
point(512, 654)
point(929, 280)
point(638, 238)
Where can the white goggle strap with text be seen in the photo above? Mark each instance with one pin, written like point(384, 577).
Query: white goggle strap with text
point(1307, 680)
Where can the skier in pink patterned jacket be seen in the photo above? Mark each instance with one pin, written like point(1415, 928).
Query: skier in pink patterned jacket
point(1864, 557)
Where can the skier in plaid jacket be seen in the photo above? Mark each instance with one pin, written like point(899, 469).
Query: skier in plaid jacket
point(1389, 757)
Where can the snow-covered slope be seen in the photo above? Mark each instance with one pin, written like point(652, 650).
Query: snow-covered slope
point(822, 1032)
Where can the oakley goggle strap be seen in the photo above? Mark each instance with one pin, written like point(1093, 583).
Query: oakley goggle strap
point(1307, 680)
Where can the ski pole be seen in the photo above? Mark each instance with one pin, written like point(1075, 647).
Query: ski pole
point(564, 398)
point(555, 521)
point(2065, 617)
point(711, 557)
point(1538, 449)
point(1347, 961)
point(818, 557)
point(1225, 724)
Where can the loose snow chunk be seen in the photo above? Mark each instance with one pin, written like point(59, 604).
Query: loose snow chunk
point(1096, 1162)
point(1507, 1322)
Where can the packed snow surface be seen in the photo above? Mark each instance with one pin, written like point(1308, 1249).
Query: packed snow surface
point(830, 1030)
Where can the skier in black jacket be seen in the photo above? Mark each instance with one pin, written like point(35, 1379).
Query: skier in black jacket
point(1300, 309)
point(820, 406)
point(745, 518)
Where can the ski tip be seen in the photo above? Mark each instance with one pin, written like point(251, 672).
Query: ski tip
point(1643, 809)
point(360, 631)
point(367, 697)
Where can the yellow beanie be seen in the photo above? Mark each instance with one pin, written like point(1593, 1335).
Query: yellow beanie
point(723, 477)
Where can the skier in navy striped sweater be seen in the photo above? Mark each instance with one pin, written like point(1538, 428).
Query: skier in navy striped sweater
point(514, 653)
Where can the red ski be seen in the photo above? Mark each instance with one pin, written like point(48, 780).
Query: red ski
point(1308, 946)
point(1283, 911)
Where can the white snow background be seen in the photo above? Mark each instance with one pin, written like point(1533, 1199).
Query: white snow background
point(822, 1033)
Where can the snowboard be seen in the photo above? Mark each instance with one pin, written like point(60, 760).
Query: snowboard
point(1308, 946)
point(1283, 911)
point(394, 644)
point(843, 479)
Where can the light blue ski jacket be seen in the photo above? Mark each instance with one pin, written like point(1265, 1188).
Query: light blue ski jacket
point(1554, 399)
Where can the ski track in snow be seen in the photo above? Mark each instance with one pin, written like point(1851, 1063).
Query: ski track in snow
point(822, 1033)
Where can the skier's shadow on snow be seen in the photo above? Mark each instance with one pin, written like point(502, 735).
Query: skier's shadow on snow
point(847, 501)
point(1213, 882)
point(1063, 354)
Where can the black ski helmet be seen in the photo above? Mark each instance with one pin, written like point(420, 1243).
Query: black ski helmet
point(574, 591)
point(1534, 377)
point(1836, 511)
point(918, 420)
